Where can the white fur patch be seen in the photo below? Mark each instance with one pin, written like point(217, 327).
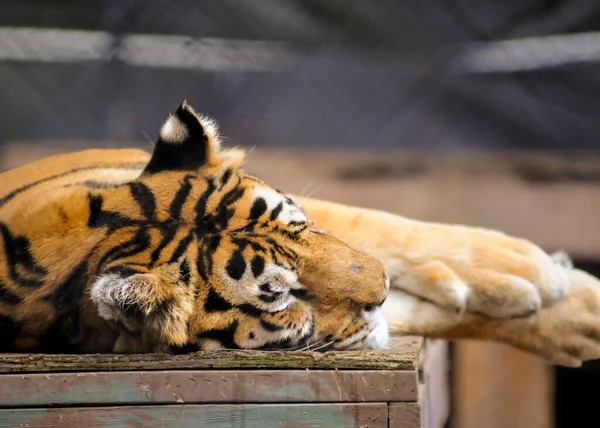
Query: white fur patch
point(173, 131)
point(106, 292)
point(290, 212)
point(399, 307)
point(379, 335)
point(279, 279)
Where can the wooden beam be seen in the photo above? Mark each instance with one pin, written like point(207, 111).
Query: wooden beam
point(373, 415)
point(402, 355)
point(207, 386)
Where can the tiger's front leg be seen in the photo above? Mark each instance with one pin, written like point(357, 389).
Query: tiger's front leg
point(456, 267)
point(567, 333)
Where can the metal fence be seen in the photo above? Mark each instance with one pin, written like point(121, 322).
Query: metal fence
point(375, 75)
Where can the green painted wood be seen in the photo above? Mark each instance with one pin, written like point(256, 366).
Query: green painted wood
point(175, 387)
point(402, 359)
point(374, 415)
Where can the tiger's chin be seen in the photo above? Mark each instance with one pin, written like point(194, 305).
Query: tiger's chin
point(375, 335)
point(379, 336)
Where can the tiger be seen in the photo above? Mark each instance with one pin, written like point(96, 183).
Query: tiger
point(181, 250)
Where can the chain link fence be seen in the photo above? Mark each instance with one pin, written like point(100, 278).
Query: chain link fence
point(370, 75)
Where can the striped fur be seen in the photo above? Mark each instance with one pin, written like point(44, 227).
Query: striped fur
point(116, 250)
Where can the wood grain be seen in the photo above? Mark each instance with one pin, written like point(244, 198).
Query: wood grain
point(373, 415)
point(403, 359)
point(194, 387)
point(405, 415)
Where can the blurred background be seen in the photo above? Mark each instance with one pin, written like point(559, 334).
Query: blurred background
point(478, 112)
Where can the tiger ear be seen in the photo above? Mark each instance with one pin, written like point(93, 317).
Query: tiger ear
point(152, 307)
point(186, 142)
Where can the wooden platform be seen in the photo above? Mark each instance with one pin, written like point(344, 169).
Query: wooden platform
point(224, 389)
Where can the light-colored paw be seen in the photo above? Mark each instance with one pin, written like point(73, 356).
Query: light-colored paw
point(481, 271)
point(566, 333)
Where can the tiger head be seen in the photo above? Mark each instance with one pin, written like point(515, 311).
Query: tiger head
point(200, 255)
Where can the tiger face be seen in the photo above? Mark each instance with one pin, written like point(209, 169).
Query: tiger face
point(200, 255)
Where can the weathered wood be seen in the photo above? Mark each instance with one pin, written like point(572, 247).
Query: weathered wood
point(373, 415)
point(405, 415)
point(211, 386)
point(403, 359)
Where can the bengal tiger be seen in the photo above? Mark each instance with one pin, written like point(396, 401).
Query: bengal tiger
point(182, 250)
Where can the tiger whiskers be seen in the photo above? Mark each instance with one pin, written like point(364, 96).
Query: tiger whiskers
point(323, 346)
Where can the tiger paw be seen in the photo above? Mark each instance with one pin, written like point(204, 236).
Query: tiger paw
point(567, 333)
point(477, 270)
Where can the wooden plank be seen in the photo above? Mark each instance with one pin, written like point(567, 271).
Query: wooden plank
point(405, 415)
point(374, 415)
point(496, 386)
point(402, 359)
point(178, 387)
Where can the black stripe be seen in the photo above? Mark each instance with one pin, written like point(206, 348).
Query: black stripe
point(184, 272)
point(138, 243)
point(286, 343)
point(100, 218)
point(181, 247)
point(180, 197)
point(251, 310)
point(68, 294)
point(216, 303)
point(211, 248)
point(18, 254)
point(270, 326)
point(240, 243)
point(300, 294)
point(287, 252)
point(225, 336)
point(226, 177)
point(168, 234)
point(236, 266)
point(270, 298)
point(233, 196)
point(184, 349)
point(16, 192)
point(203, 200)
point(201, 265)
point(276, 211)
point(259, 207)
point(144, 198)
point(7, 296)
point(123, 271)
point(257, 265)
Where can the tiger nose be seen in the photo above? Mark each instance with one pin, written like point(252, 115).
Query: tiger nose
point(371, 289)
point(343, 273)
